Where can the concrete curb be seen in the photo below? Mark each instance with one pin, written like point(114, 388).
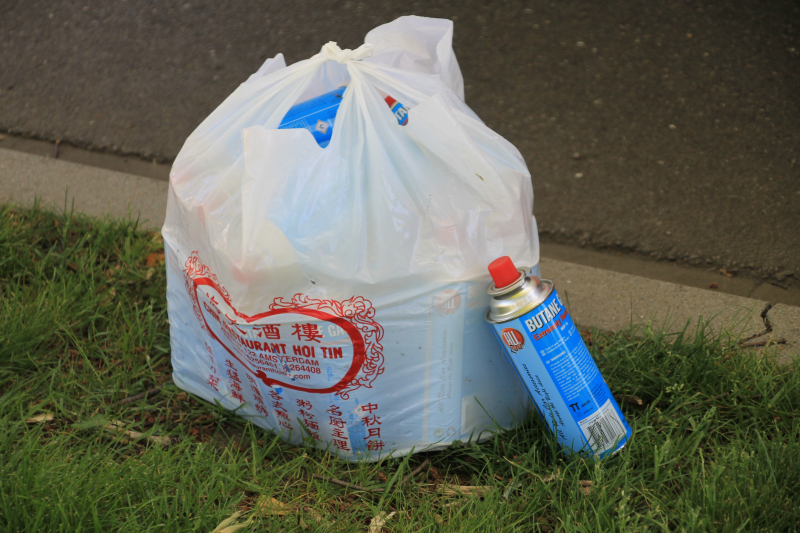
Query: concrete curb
point(611, 301)
point(597, 298)
point(95, 191)
point(783, 322)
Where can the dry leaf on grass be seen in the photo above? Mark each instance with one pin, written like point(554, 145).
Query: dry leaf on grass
point(266, 505)
point(154, 258)
point(465, 490)
point(237, 527)
point(47, 417)
point(585, 486)
point(630, 399)
point(435, 474)
point(377, 522)
point(226, 527)
point(118, 427)
point(551, 477)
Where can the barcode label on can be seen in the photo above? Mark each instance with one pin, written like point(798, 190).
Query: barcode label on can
point(603, 429)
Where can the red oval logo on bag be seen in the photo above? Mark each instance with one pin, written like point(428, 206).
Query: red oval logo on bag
point(305, 344)
point(513, 339)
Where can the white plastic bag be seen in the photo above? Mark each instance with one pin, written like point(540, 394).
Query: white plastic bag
point(338, 294)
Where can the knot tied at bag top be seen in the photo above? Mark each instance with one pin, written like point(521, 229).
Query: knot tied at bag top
point(332, 52)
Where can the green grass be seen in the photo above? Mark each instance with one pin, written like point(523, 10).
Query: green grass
point(83, 324)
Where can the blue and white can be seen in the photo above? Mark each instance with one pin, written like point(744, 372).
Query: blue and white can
point(549, 355)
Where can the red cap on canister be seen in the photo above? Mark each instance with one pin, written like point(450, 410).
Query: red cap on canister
point(503, 272)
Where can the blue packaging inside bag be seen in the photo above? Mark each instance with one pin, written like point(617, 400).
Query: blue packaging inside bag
point(316, 115)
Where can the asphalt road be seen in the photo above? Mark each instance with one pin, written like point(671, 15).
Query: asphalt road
point(669, 129)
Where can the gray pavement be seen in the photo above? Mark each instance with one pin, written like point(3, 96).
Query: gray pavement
point(66, 152)
point(597, 298)
point(26, 178)
point(666, 129)
point(611, 301)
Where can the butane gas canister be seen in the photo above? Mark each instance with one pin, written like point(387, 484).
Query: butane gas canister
point(399, 110)
point(555, 365)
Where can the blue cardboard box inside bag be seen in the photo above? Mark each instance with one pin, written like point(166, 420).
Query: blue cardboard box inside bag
point(316, 115)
